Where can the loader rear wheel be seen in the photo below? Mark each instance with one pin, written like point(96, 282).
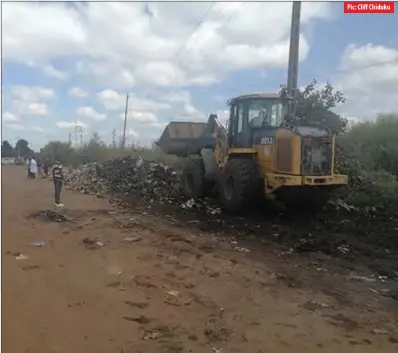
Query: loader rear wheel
point(194, 180)
point(240, 185)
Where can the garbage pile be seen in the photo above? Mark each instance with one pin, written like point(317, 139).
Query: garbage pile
point(151, 181)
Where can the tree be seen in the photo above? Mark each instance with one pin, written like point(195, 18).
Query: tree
point(22, 147)
point(7, 150)
point(57, 151)
point(314, 107)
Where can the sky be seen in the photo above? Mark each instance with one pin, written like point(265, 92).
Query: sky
point(72, 64)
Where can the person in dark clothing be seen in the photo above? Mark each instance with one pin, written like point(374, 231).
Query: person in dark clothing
point(58, 179)
point(39, 168)
point(45, 167)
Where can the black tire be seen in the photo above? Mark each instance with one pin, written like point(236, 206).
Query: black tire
point(194, 181)
point(240, 185)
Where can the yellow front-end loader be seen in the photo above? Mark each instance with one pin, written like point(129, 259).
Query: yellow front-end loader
point(259, 154)
point(255, 157)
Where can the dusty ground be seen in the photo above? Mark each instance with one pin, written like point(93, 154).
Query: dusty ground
point(158, 285)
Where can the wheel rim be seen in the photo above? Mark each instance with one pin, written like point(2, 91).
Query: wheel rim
point(229, 187)
point(189, 183)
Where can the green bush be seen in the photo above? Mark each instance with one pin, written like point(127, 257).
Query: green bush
point(368, 153)
point(95, 150)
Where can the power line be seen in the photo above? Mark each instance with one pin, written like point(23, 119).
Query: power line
point(226, 23)
point(323, 74)
point(355, 68)
point(198, 24)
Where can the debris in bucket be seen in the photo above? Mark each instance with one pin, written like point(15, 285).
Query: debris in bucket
point(92, 244)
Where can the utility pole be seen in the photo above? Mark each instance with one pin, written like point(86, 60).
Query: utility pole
point(292, 74)
point(114, 138)
point(125, 122)
point(70, 139)
point(79, 133)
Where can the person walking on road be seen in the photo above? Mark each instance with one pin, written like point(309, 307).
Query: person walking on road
point(28, 166)
point(33, 168)
point(39, 168)
point(58, 179)
point(45, 167)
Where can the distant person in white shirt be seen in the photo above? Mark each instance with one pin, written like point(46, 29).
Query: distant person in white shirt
point(28, 166)
point(33, 168)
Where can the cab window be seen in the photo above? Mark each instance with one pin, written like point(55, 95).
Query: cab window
point(264, 112)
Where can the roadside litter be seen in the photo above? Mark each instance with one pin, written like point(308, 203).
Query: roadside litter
point(92, 244)
point(40, 244)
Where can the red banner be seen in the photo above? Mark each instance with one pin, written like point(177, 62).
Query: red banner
point(371, 7)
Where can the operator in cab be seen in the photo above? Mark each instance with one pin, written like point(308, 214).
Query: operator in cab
point(260, 120)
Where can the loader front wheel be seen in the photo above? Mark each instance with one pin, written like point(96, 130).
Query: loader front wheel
point(194, 180)
point(240, 185)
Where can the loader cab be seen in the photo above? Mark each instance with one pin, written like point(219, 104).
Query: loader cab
point(253, 115)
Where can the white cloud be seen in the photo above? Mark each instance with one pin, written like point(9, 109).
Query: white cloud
point(51, 71)
point(131, 132)
point(78, 92)
point(36, 109)
point(158, 125)
point(30, 100)
point(110, 99)
point(369, 90)
point(90, 113)
point(142, 117)
point(223, 116)
point(70, 124)
point(37, 129)
point(8, 117)
point(31, 94)
point(17, 127)
point(113, 100)
point(122, 46)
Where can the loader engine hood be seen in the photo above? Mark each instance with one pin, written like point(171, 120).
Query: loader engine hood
point(316, 144)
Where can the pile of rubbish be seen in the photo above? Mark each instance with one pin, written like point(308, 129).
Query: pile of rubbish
point(133, 176)
point(151, 181)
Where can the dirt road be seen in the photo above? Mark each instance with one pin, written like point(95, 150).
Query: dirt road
point(154, 285)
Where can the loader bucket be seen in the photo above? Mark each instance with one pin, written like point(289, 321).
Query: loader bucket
point(182, 138)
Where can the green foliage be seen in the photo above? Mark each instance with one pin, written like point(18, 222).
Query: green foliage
point(22, 146)
point(314, 104)
point(374, 143)
point(95, 150)
point(368, 153)
point(7, 150)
